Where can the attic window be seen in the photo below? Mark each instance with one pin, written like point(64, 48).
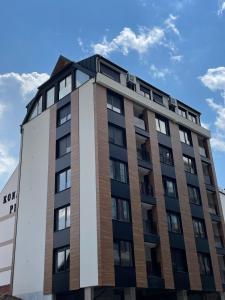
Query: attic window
point(157, 98)
point(81, 78)
point(110, 72)
point(37, 110)
point(65, 87)
point(50, 98)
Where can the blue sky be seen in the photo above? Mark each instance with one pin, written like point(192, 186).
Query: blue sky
point(176, 45)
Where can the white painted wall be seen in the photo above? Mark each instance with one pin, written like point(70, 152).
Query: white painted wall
point(5, 277)
point(7, 230)
point(6, 255)
point(222, 199)
point(31, 225)
point(88, 214)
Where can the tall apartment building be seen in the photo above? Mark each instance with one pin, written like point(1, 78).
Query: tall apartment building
point(118, 196)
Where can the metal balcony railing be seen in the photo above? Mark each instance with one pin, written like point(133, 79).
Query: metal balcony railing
point(139, 123)
point(143, 154)
point(146, 189)
point(149, 227)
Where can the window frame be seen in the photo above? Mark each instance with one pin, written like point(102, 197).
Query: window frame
point(182, 112)
point(202, 257)
point(66, 137)
point(171, 228)
point(192, 117)
point(115, 129)
point(65, 86)
point(185, 136)
point(65, 250)
point(111, 105)
point(66, 220)
point(116, 205)
point(159, 121)
point(189, 164)
point(67, 116)
point(176, 257)
point(199, 228)
point(121, 262)
point(163, 159)
point(47, 93)
point(114, 169)
point(191, 193)
point(104, 68)
point(165, 180)
point(80, 83)
point(67, 184)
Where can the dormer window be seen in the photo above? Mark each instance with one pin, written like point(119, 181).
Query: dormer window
point(145, 92)
point(50, 97)
point(182, 112)
point(192, 118)
point(157, 98)
point(106, 70)
point(37, 110)
point(65, 87)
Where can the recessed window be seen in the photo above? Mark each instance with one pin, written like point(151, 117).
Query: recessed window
point(50, 97)
point(145, 91)
point(162, 125)
point(179, 260)
point(185, 136)
point(62, 260)
point(182, 112)
point(189, 164)
point(166, 155)
point(62, 218)
point(63, 146)
point(194, 195)
point(202, 147)
point(115, 102)
point(37, 110)
point(205, 168)
point(63, 180)
point(170, 187)
point(192, 118)
point(81, 78)
point(174, 223)
point(157, 98)
point(199, 228)
point(117, 135)
point(65, 87)
point(113, 74)
point(63, 114)
point(205, 264)
point(120, 210)
point(118, 171)
point(123, 254)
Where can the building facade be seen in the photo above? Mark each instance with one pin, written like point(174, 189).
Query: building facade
point(118, 196)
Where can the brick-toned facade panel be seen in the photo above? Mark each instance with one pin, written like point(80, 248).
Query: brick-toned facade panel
point(188, 232)
point(104, 206)
point(5, 290)
point(138, 237)
point(208, 222)
point(75, 195)
point(166, 263)
point(50, 204)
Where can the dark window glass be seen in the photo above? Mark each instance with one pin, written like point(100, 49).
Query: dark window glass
point(117, 135)
point(170, 187)
point(63, 146)
point(115, 102)
point(162, 125)
point(182, 112)
point(63, 180)
point(65, 87)
point(174, 223)
point(123, 253)
point(157, 98)
point(110, 72)
point(189, 164)
point(185, 136)
point(202, 147)
point(179, 260)
point(120, 210)
point(63, 115)
point(205, 264)
point(166, 155)
point(205, 168)
point(199, 228)
point(50, 97)
point(62, 217)
point(62, 260)
point(194, 195)
point(192, 118)
point(118, 171)
point(145, 91)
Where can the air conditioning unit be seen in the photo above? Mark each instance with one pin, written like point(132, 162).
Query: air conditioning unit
point(173, 101)
point(131, 78)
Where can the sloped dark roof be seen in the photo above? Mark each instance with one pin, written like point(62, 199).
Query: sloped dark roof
point(61, 63)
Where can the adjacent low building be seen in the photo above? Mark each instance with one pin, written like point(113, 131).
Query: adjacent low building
point(118, 197)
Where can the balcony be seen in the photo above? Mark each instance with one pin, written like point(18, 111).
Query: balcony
point(139, 123)
point(143, 154)
point(154, 275)
point(150, 232)
point(147, 193)
point(218, 241)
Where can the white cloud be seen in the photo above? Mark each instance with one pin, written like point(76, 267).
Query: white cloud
point(143, 3)
point(26, 83)
point(176, 58)
point(2, 109)
point(170, 24)
point(214, 79)
point(7, 161)
point(205, 125)
point(218, 143)
point(220, 114)
point(159, 73)
point(141, 41)
point(221, 7)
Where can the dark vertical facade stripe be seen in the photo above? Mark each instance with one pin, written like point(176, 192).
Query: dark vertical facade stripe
point(188, 232)
point(166, 263)
point(103, 191)
point(136, 210)
point(75, 195)
point(208, 222)
point(50, 204)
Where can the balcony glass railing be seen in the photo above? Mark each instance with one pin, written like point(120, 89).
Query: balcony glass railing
point(143, 154)
point(146, 189)
point(149, 227)
point(139, 123)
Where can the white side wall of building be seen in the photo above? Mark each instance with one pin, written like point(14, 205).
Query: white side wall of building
point(222, 199)
point(88, 214)
point(31, 225)
point(7, 226)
